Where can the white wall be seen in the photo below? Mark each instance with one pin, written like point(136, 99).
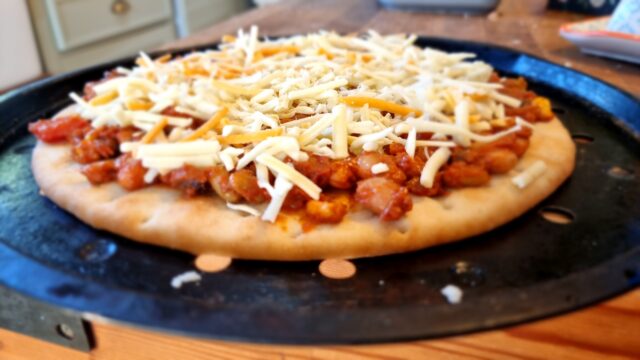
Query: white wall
point(19, 60)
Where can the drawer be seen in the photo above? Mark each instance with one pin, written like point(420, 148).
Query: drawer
point(80, 22)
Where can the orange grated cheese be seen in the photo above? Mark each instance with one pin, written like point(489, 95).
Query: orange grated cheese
point(206, 127)
point(360, 101)
point(272, 50)
point(155, 130)
point(326, 53)
point(228, 38)
point(104, 98)
point(164, 58)
point(194, 71)
point(139, 105)
point(236, 139)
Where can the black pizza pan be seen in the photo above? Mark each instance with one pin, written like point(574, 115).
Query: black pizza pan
point(528, 269)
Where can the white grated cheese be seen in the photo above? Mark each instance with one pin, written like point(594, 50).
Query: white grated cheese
point(244, 208)
point(186, 277)
point(288, 172)
point(316, 90)
point(379, 168)
point(175, 162)
point(339, 132)
point(227, 161)
point(150, 176)
point(316, 129)
point(262, 173)
point(450, 129)
point(199, 147)
point(278, 194)
point(271, 146)
point(530, 174)
point(432, 166)
point(410, 144)
point(285, 98)
point(370, 146)
point(147, 60)
point(508, 100)
point(371, 138)
point(462, 122)
point(147, 117)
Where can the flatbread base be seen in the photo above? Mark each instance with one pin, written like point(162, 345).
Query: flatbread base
point(161, 216)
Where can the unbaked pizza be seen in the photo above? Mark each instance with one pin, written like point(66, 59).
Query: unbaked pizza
point(306, 147)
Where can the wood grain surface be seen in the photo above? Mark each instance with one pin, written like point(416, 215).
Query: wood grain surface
point(610, 330)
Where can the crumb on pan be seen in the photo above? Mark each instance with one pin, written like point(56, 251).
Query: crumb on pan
point(189, 276)
point(452, 293)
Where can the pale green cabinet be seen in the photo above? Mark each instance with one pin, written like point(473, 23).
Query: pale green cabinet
point(76, 33)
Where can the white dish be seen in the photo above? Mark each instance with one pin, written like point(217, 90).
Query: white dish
point(592, 37)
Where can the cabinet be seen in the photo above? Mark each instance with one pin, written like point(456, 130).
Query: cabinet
point(78, 33)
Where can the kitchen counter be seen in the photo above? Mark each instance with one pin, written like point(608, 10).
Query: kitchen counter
point(608, 330)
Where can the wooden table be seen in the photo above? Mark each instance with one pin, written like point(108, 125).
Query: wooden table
point(609, 330)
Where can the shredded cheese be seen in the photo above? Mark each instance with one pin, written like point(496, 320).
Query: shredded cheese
point(410, 144)
point(235, 89)
point(189, 276)
point(379, 168)
point(249, 138)
point(288, 172)
point(359, 101)
point(198, 147)
point(278, 194)
point(175, 162)
point(508, 100)
point(339, 131)
point(530, 174)
point(316, 129)
point(268, 101)
point(462, 121)
point(432, 166)
point(244, 208)
point(104, 98)
point(449, 129)
point(155, 130)
point(318, 89)
point(208, 126)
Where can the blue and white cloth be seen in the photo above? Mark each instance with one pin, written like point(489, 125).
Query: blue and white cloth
point(626, 18)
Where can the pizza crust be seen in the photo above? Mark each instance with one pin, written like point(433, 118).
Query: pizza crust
point(161, 216)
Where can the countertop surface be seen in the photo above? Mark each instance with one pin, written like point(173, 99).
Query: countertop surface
point(608, 330)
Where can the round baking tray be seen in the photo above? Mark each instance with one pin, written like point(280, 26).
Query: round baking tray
point(528, 269)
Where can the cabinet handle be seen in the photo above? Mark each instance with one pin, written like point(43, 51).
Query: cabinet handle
point(120, 7)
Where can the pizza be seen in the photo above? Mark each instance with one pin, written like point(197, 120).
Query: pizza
point(308, 147)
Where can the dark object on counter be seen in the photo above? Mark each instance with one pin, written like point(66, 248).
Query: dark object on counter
point(592, 7)
point(443, 6)
point(527, 269)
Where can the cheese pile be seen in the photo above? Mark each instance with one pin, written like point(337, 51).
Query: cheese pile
point(322, 93)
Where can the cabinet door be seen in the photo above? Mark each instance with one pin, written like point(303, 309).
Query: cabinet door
point(80, 22)
point(77, 33)
point(193, 15)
